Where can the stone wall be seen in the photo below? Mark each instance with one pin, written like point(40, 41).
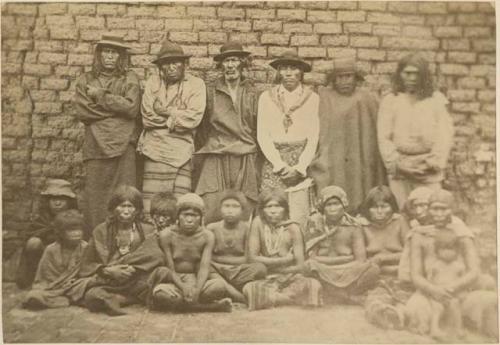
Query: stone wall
point(46, 45)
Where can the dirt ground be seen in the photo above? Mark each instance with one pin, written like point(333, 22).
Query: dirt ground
point(330, 324)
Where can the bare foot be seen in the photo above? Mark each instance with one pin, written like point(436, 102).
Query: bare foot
point(439, 335)
point(225, 305)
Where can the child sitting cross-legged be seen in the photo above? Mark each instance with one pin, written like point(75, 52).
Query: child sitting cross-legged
point(229, 256)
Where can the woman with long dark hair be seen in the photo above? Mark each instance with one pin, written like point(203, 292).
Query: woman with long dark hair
point(277, 242)
point(415, 131)
point(385, 232)
point(121, 254)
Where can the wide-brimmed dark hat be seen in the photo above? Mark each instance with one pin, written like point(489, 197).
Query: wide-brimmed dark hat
point(58, 187)
point(114, 41)
point(170, 51)
point(232, 48)
point(291, 57)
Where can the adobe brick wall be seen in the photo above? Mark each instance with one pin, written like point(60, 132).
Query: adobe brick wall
point(45, 46)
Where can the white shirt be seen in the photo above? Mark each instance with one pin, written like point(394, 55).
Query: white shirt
point(305, 125)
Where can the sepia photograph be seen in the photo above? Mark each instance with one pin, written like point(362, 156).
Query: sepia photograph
point(249, 172)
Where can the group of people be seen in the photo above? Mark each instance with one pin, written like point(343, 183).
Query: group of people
point(416, 268)
point(181, 135)
point(299, 197)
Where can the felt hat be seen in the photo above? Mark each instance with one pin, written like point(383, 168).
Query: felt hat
point(170, 51)
point(113, 40)
point(58, 187)
point(290, 57)
point(332, 192)
point(346, 65)
point(191, 200)
point(442, 196)
point(231, 48)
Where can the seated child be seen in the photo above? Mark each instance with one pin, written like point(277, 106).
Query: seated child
point(163, 210)
point(229, 255)
point(187, 284)
point(57, 197)
point(59, 264)
point(446, 269)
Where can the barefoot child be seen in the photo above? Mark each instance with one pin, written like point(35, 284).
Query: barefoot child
point(186, 284)
point(163, 210)
point(447, 268)
point(59, 264)
point(229, 255)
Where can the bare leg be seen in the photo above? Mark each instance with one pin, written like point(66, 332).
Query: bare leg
point(224, 305)
point(235, 295)
point(456, 318)
point(438, 312)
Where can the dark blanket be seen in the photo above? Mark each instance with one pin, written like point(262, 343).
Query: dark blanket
point(54, 275)
point(101, 252)
point(348, 146)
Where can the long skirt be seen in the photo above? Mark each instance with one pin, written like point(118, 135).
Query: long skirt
point(239, 275)
point(162, 177)
point(102, 178)
point(221, 172)
point(353, 278)
point(283, 289)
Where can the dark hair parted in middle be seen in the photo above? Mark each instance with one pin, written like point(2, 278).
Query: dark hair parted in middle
point(121, 65)
point(126, 193)
point(377, 194)
point(277, 195)
point(425, 86)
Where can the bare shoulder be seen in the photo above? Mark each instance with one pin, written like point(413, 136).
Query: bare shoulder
point(214, 226)
point(207, 235)
point(166, 236)
point(294, 230)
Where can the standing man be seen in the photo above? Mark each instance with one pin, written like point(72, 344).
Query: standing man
point(348, 153)
point(107, 101)
point(415, 131)
point(229, 134)
point(172, 108)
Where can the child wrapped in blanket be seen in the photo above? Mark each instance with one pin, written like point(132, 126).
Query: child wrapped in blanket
point(59, 264)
